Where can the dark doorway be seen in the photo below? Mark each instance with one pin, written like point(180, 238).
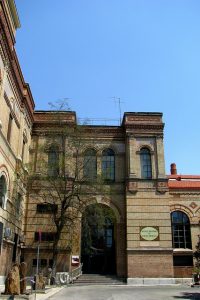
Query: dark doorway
point(97, 241)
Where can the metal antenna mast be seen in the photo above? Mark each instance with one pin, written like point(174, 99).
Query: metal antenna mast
point(118, 101)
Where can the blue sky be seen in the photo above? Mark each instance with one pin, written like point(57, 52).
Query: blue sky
point(147, 52)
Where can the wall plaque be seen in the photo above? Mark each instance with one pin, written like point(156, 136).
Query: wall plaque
point(149, 233)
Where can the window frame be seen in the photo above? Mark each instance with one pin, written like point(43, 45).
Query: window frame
point(48, 236)
point(47, 208)
point(3, 191)
point(145, 163)
point(108, 165)
point(90, 167)
point(53, 164)
point(181, 231)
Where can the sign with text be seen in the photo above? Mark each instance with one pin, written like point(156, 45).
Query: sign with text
point(149, 233)
point(75, 260)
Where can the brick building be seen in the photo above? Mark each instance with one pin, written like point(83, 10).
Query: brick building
point(154, 227)
point(16, 117)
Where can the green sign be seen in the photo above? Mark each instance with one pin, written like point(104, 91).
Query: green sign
point(149, 233)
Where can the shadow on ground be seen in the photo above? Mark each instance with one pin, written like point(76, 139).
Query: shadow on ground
point(192, 296)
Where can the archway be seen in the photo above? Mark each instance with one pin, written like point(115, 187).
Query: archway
point(98, 240)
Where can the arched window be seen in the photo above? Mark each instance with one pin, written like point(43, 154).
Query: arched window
point(3, 191)
point(90, 165)
point(181, 230)
point(53, 161)
point(108, 165)
point(145, 163)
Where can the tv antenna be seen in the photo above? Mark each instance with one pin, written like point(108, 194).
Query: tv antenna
point(118, 101)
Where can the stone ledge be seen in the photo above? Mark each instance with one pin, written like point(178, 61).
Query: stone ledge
point(151, 281)
point(186, 281)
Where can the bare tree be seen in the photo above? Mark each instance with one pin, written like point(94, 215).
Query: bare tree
point(64, 177)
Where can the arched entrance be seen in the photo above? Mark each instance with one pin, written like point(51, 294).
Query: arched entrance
point(98, 240)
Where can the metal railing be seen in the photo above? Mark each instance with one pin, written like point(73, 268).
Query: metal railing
point(63, 278)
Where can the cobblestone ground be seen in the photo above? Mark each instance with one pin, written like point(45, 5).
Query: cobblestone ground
point(127, 293)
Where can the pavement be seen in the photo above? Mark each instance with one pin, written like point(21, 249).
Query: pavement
point(41, 296)
point(120, 292)
point(50, 294)
point(173, 292)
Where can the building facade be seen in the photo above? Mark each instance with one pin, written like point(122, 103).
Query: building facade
point(16, 117)
point(150, 219)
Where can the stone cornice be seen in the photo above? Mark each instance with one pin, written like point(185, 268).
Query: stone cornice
point(104, 131)
point(149, 249)
point(183, 192)
point(10, 58)
point(14, 13)
point(146, 126)
point(54, 117)
point(142, 118)
point(6, 23)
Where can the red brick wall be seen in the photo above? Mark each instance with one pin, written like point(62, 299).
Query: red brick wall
point(150, 265)
point(183, 272)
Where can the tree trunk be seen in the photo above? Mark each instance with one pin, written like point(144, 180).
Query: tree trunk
point(55, 258)
point(55, 254)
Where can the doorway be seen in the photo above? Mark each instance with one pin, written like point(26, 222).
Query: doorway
point(98, 240)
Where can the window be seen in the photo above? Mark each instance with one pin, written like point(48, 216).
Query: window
point(53, 161)
point(90, 165)
point(183, 260)
point(47, 208)
point(3, 191)
point(18, 203)
point(9, 128)
point(42, 262)
point(45, 236)
point(145, 163)
point(181, 230)
point(108, 165)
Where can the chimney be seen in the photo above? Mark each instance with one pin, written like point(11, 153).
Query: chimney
point(173, 169)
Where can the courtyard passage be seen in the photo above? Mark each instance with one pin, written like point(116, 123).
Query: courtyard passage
point(104, 292)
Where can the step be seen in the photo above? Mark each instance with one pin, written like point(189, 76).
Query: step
point(97, 279)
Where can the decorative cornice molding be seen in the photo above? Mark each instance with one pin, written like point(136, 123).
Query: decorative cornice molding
point(9, 56)
point(150, 249)
point(145, 126)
